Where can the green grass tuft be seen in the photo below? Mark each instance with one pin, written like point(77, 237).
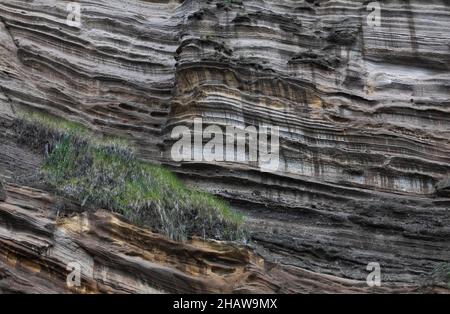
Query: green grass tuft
point(106, 173)
point(57, 127)
point(55, 123)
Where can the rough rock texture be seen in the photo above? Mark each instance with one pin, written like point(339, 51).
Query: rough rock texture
point(364, 113)
point(2, 191)
point(115, 257)
point(443, 187)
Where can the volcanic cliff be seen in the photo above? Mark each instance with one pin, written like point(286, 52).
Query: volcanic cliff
point(363, 113)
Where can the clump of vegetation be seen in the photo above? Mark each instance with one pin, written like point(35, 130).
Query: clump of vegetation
point(105, 173)
point(35, 129)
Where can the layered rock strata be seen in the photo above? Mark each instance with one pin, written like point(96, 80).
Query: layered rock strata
point(363, 112)
point(41, 247)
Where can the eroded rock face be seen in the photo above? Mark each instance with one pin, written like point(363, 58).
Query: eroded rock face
point(40, 249)
point(2, 191)
point(363, 112)
point(443, 187)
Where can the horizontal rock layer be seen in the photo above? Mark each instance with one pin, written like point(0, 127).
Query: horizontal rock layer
point(363, 112)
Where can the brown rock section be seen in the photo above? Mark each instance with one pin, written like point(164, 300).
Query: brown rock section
point(37, 245)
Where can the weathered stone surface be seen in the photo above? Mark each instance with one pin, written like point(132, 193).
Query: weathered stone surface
point(363, 113)
point(38, 249)
point(443, 187)
point(2, 191)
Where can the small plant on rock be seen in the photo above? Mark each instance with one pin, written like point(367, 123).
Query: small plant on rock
point(104, 173)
